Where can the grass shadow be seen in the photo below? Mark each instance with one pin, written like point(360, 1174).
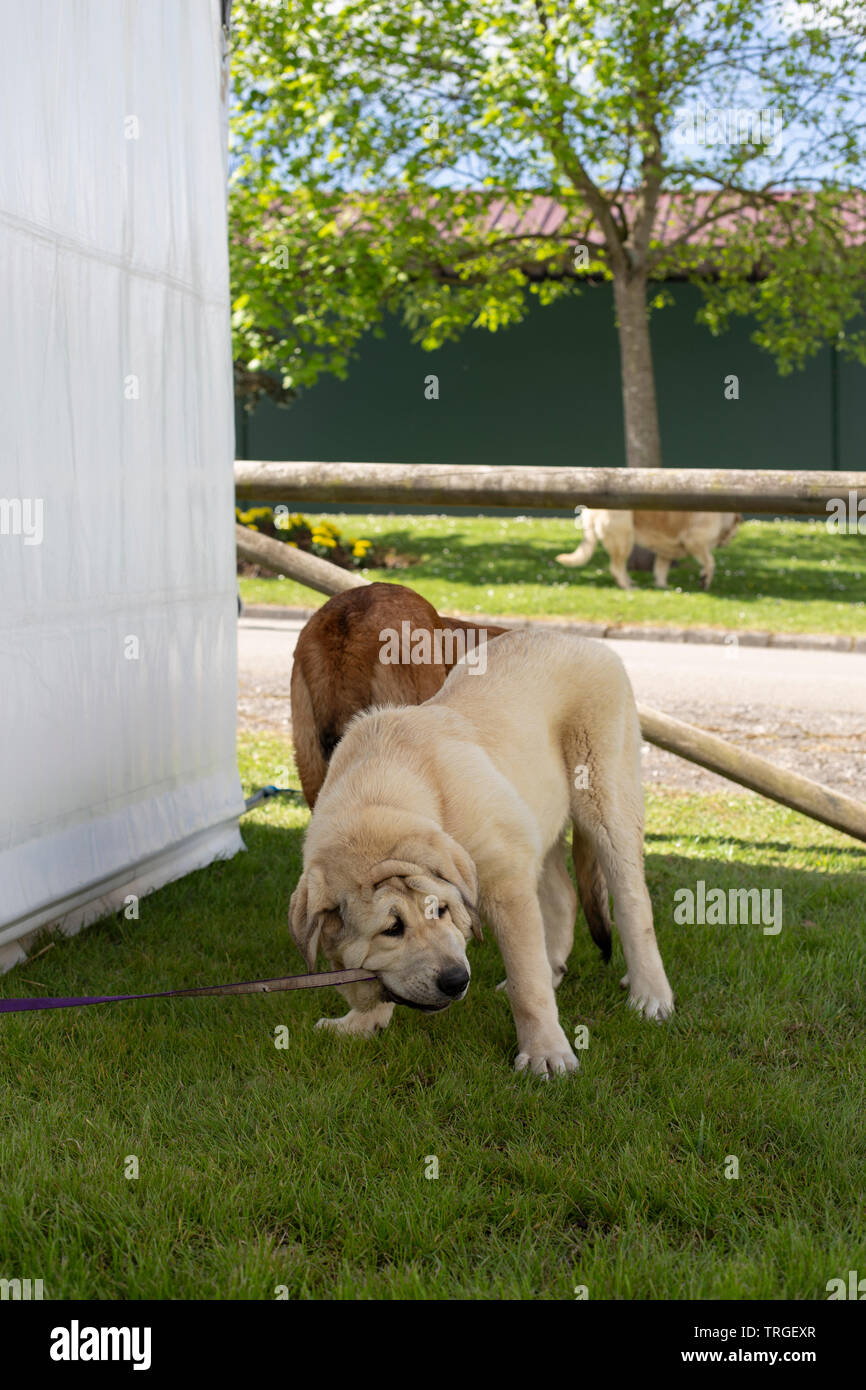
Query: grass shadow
point(754, 566)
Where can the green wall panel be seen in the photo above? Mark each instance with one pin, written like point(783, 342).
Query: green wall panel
point(547, 392)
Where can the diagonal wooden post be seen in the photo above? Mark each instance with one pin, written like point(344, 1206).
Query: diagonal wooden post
point(758, 774)
point(310, 570)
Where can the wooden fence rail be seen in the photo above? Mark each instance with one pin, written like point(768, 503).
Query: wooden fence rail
point(677, 489)
point(813, 799)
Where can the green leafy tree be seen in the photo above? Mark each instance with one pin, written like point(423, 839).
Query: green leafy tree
point(374, 140)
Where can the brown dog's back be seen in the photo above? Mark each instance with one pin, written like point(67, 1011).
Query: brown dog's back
point(338, 672)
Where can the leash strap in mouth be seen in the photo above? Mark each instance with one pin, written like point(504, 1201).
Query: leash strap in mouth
point(276, 986)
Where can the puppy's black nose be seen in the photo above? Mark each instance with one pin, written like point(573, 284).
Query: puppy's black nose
point(452, 981)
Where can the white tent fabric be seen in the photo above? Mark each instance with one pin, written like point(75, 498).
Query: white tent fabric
point(118, 663)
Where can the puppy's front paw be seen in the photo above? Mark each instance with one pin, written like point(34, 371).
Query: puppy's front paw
point(360, 1025)
point(654, 1000)
point(546, 1064)
point(550, 1056)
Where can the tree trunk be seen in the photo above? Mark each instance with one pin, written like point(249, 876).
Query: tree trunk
point(642, 442)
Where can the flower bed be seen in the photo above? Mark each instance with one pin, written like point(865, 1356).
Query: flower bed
point(321, 538)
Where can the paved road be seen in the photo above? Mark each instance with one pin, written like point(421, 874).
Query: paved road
point(805, 710)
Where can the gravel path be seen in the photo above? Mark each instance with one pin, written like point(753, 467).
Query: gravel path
point(805, 710)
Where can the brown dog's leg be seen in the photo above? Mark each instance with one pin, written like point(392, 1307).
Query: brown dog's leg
point(305, 736)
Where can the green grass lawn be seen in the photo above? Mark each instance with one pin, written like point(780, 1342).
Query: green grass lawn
point(305, 1167)
point(785, 576)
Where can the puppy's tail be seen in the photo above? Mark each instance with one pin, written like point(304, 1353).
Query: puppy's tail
point(592, 890)
point(586, 549)
point(309, 756)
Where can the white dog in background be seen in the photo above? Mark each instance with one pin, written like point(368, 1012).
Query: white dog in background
point(434, 816)
point(670, 535)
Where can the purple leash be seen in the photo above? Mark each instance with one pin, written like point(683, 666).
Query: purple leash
point(276, 986)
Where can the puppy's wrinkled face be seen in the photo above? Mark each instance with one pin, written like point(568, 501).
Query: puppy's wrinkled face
point(406, 917)
point(402, 921)
point(412, 932)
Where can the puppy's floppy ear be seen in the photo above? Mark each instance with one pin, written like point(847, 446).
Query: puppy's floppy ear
point(310, 905)
point(464, 868)
point(474, 920)
point(443, 890)
point(443, 857)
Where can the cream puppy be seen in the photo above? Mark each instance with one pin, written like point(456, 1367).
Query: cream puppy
point(435, 816)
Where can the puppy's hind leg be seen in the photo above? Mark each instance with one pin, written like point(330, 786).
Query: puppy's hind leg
point(591, 888)
point(558, 902)
point(619, 843)
point(608, 817)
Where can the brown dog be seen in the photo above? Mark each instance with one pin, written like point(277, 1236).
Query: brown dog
point(338, 672)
